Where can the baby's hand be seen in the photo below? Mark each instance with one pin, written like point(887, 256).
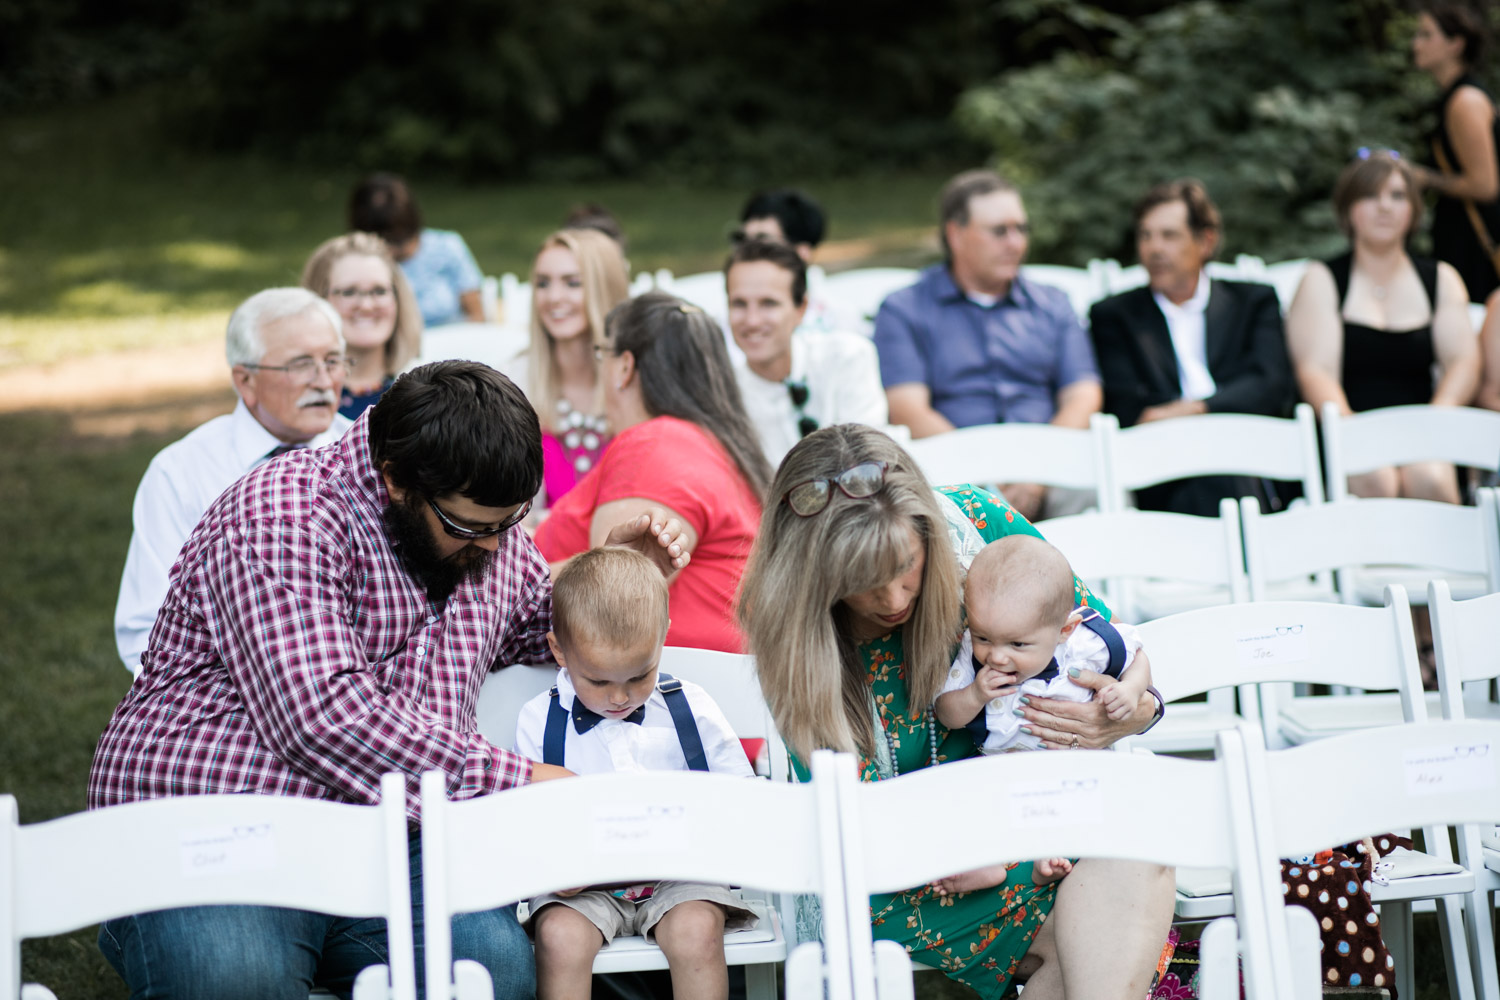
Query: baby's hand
point(1049, 870)
point(1117, 704)
point(992, 683)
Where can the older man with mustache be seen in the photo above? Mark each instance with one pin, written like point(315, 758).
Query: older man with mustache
point(285, 348)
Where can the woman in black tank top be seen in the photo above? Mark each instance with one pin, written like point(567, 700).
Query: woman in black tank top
point(1367, 329)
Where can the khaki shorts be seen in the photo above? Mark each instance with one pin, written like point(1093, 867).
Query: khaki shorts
point(616, 917)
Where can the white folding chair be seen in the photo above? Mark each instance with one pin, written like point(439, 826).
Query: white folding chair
point(1425, 775)
point(860, 292)
point(603, 828)
point(1466, 635)
point(1014, 453)
point(1285, 277)
point(515, 295)
point(1043, 805)
point(484, 342)
point(1280, 642)
point(1401, 435)
point(206, 850)
point(1213, 444)
point(1082, 286)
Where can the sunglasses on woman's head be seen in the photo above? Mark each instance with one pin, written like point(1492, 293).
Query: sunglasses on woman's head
point(857, 483)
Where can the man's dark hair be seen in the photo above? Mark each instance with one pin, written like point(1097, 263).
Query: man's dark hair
point(801, 218)
point(780, 254)
point(1202, 213)
point(592, 215)
point(1459, 20)
point(953, 203)
point(458, 427)
point(382, 204)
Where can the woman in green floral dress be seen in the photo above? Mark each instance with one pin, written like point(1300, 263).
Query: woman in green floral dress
point(852, 606)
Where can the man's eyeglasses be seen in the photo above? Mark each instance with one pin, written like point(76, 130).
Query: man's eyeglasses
point(805, 424)
point(377, 294)
point(459, 531)
point(1004, 229)
point(306, 369)
point(858, 483)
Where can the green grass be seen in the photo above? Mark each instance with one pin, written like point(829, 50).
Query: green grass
point(112, 239)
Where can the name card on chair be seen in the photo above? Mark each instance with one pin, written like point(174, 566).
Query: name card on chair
point(623, 828)
point(1272, 646)
point(228, 850)
point(1064, 802)
point(1450, 768)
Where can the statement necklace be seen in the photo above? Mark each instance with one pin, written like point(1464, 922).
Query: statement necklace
point(582, 435)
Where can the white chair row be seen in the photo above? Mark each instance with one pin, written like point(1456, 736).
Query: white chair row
point(1269, 646)
point(822, 839)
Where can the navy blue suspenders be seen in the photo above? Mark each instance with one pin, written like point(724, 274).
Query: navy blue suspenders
point(554, 738)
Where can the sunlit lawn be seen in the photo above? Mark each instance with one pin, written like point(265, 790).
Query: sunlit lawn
point(111, 239)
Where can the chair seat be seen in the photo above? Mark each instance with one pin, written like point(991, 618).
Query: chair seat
point(1316, 717)
point(1187, 726)
point(1203, 893)
point(1489, 836)
point(752, 946)
point(1370, 583)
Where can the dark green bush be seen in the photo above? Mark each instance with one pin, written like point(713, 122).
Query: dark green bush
point(1264, 100)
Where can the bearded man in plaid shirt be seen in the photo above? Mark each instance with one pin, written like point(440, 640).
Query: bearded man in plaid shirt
point(331, 619)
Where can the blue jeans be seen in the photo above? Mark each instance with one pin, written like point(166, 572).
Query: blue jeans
point(268, 953)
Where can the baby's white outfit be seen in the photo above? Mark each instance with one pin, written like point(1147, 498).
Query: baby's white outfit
point(998, 728)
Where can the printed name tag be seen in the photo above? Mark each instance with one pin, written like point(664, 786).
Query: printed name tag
point(1057, 803)
point(1451, 768)
point(1271, 646)
point(227, 850)
point(619, 829)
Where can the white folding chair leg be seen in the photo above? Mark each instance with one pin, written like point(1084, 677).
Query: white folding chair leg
point(1396, 931)
point(1455, 940)
point(471, 981)
point(804, 972)
point(1481, 934)
point(893, 978)
point(760, 981)
point(1306, 957)
point(36, 991)
point(1219, 961)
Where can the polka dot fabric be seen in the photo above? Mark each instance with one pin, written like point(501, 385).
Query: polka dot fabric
point(1335, 886)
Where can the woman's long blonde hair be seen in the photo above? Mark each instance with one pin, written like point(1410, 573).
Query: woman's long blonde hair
point(406, 339)
point(605, 285)
point(791, 602)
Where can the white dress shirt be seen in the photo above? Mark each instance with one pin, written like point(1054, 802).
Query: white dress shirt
point(618, 745)
point(842, 375)
point(180, 484)
point(1185, 323)
point(1082, 649)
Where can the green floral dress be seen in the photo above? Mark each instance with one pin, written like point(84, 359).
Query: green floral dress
point(979, 937)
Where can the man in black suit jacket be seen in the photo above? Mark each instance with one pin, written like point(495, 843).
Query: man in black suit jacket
point(1185, 345)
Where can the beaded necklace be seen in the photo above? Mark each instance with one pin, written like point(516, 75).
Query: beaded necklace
point(582, 435)
point(889, 758)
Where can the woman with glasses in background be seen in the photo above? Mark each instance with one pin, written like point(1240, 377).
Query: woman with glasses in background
point(382, 326)
point(852, 606)
point(682, 446)
point(578, 276)
point(1365, 328)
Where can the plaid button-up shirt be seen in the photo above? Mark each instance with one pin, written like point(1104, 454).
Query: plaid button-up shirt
point(294, 654)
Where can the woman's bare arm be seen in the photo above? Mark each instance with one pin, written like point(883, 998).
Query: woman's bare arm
point(1314, 339)
point(1453, 342)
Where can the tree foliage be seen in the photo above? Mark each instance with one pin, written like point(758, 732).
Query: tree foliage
point(1264, 100)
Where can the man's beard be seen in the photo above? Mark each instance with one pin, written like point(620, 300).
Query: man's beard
point(439, 575)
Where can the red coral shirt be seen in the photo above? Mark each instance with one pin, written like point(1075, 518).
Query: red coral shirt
point(680, 465)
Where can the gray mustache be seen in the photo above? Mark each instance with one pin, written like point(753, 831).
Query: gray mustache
point(316, 397)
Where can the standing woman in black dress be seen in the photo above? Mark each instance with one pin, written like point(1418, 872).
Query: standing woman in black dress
point(1448, 44)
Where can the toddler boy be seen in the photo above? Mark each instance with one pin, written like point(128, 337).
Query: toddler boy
point(608, 712)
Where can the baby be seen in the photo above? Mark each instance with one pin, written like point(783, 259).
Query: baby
point(608, 713)
point(1026, 637)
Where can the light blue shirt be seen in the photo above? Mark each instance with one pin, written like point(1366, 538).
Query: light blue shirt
point(440, 272)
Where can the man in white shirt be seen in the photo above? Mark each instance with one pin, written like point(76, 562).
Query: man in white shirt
point(792, 381)
point(285, 348)
point(1185, 344)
